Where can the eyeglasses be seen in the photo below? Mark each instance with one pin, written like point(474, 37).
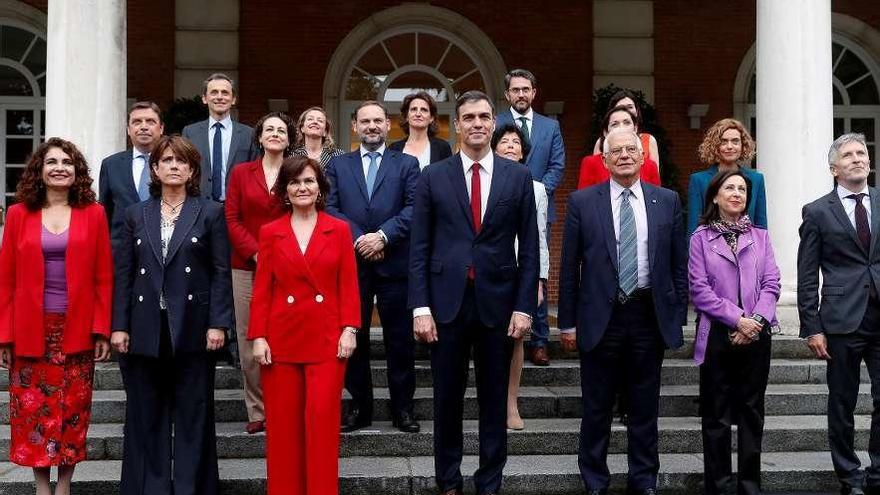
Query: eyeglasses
point(630, 150)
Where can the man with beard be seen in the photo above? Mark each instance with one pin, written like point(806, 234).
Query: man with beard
point(546, 161)
point(470, 291)
point(372, 189)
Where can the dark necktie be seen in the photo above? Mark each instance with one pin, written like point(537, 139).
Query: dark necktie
point(863, 229)
point(217, 163)
point(524, 126)
point(476, 207)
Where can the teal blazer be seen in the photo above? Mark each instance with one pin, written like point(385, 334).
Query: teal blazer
point(698, 184)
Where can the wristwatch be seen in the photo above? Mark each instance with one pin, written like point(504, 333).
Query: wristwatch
point(760, 319)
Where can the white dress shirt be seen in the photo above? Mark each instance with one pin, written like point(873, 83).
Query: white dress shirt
point(139, 160)
point(365, 163)
point(637, 201)
point(849, 204)
point(226, 139)
point(529, 119)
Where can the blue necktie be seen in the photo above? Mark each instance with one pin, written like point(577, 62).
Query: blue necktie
point(372, 170)
point(144, 180)
point(627, 253)
point(217, 163)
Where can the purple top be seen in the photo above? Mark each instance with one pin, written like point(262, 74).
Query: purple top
point(55, 284)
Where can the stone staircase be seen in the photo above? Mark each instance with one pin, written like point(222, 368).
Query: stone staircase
point(543, 457)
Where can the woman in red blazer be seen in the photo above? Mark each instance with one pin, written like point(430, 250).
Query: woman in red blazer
point(304, 318)
point(250, 205)
point(56, 281)
point(593, 169)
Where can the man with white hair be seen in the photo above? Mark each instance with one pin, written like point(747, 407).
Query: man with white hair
point(622, 300)
point(839, 237)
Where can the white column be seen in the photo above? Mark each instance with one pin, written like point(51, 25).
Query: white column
point(794, 118)
point(86, 76)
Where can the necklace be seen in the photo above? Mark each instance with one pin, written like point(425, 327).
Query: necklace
point(173, 209)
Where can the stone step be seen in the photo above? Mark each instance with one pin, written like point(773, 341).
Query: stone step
point(561, 372)
point(524, 475)
point(108, 406)
point(541, 436)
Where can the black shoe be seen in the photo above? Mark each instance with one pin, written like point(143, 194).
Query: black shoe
point(851, 490)
point(406, 423)
point(354, 420)
point(598, 491)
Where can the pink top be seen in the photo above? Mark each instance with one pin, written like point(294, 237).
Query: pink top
point(55, 286)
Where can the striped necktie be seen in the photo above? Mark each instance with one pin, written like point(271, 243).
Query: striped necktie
point(627, 254)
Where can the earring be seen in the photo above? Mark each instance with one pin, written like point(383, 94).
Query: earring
point(714, 202)
point(287, 201)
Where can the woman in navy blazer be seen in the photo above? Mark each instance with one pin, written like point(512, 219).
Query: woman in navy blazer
point(727, 146)
point(171, 309)
point(418, 119)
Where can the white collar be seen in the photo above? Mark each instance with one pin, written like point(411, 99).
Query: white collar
point(843, 192)
point(528, 115)
point(226, 121)
point(380, 150)
point(487, 162)
point(617, 189)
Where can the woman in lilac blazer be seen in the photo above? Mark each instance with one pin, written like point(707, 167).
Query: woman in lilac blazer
point(734, 286)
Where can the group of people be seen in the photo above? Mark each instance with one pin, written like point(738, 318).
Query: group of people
point(274, 237)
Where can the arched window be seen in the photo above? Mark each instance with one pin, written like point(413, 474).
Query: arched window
point(22, 102)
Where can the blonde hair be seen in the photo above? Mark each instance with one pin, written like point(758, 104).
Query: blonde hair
point(709, 147)
point(327, 141)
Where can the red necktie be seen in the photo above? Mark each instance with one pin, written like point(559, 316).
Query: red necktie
point(476, 207)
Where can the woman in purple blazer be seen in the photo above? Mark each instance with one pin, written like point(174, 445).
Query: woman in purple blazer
point(734, 286)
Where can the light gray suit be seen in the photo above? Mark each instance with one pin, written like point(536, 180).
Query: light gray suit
point(241, 150)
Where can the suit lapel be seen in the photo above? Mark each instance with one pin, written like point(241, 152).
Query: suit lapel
point(875, 216)
point(152, 226)
point(838, 211)
point(356, 167)
point(651, 210)
point(185, 222)
point(289, 246)
point(606, 219)
point(128, 174)
point(458, 184)
point(234, 143)
point(256, 174)
point(496, 189)
point(389, 160)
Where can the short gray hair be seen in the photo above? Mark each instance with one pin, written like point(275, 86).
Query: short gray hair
point(520, 73)
point(850, 137)
point(607, 147)
point(217, 76)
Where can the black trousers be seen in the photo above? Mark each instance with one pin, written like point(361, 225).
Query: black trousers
point(632, 338)
point(733, 380)
point(171, 393)
point(847, 352)
point(450, 358)
point(397, 333)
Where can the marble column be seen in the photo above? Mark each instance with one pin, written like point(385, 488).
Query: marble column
point(86, 76)
point(794, 118)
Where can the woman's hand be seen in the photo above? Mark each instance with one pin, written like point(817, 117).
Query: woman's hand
point(750, 328)
point(5, 356)
point(119, 341)
point(262, 353)
point(347, 343)
point(102, 348)
point(740, 338)
point(216, 338)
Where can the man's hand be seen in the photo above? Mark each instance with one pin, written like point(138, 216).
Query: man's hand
point(368, 245)
point(424, 329)
point(519, 327)
point(568, 341)
point(102, 348)
point(540, 292)
point(376, 257)
point(119, 341)
point(819, 345)
point(216, 338)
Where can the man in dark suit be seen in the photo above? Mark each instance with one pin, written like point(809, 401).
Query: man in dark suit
point(839, 237)
point(125, 176)
point(622, 300)
point(372, 189)
point(223, 142)
point(469, 289)
point(546, 161)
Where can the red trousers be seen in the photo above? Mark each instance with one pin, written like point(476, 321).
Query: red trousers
point(303, 406)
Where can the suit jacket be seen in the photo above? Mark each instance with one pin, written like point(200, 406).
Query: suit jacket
point(725, 286)
point(89, 271)
point(249, 206)
point(546, 160)
point(829, 242)
point(588, 280)
point(241, 149)
point(389, 209)
point(444, 246)
point(302, 302)
point(699, 182)
point(116, 188)
point(440, 149)
point(194, 275)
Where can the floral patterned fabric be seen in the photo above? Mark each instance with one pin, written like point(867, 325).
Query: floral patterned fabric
point(50, 403)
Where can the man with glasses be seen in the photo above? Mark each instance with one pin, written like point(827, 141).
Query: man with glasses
point(622, 300)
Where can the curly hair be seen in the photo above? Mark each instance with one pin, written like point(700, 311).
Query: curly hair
point(184, 150)
point(31, 190)
point(432, 108)
point(291, 168)
point(291, 131)
point(708, 150)
point(327, 141)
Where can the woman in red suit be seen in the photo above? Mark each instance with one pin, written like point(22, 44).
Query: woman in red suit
point(304, 318)
point(593, 169)
point(250, 204)
point(56, 281)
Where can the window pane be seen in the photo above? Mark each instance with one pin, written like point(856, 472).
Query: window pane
point(36, 60)
point(864, 92)
point(849, 68)
point(752, 90)
point(376, 62)
point(456, 64)
point(837, 97)
point(361, 87)
point(42, 123)
point(835, 51)
point(431, 48)
point(402, 48)
point(473, 81)
point(13, 83)
point(863, 126)
point(19, 122)
point(42, 82)
point(15, 41)
point(838, 127)
point(12, 176)
point(18, 150)
point(412, 82)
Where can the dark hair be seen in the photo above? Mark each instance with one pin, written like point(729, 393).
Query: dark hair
point(711, 212)
point(31, 190)
point(626, 93)
point(217, 76)
point(184, 150)
point(368, 103)
point(607, 120)
point(511, 128)
point(473, 96)
point(144, 105)
point(520, 73)
point(291, 168)
point(404, 111)
point(258, 131)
